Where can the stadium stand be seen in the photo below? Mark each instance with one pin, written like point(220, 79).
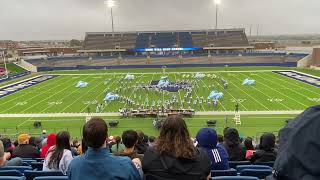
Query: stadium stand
point(165, 39)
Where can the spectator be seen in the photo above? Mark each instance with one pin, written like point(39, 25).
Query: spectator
point(36, 142)
point(207, 139)
point(82, 148)
point(266, 150)
point(151, 141)
point(44, 134)
point(4, 157)
point(249, 147)
point(8, 146)
point(130, 139)
point(220, 139)
point(24, 149)
point(74, 147)
point(236, 151)
point(59, 156)
point(51, 141)
point(174, 156)
point(141, 146)
point(118, 146)
point(97, 163)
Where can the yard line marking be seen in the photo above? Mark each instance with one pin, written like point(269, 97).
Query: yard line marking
point(37, 96)
point(218, 101)
point(62, 90)
point(249, 95)
point(32, 89)
point(198, 98)
point(283, 93)
point(295, 83)
point(134, 90)
point(267, 95)
point(94, 87)
point(175, 77)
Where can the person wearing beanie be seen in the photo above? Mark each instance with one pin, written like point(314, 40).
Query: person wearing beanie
point(51, 141)
point(24, 149)
point(207, 139)
point(236, 150)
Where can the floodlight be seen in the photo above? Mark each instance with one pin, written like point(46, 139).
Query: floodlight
point(110, 3)
point(217, 2)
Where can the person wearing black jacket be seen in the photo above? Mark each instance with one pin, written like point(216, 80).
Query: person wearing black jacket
point(236, 151)
point(266, 151)
point(24, 149)
point(174, 156)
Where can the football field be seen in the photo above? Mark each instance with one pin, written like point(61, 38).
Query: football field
point(271, 92)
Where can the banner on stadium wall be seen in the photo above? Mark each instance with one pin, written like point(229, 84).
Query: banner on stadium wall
point(162, 49)
point(13, 88)
point(306, 78)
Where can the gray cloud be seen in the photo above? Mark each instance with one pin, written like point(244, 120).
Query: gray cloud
point(66, 19)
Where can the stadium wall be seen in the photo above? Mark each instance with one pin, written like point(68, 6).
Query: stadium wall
point(28, 66)
point(81, 67)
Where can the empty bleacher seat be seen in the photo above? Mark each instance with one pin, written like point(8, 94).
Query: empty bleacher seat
point(30, 175)
point(242, 167)
point(12, 172)
point(234, 178)
point(229, 172)
point(51, 178)
point(11, 178)
point(259, 173)
point(37, 166)
point(28, 161)
point(234, 164)
point(270, 164)
point(22, 169)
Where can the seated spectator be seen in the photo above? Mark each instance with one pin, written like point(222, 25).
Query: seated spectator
point(44, 135)
point(24, 149)
point(8, 146)
point(74, 147)
point(236, 151)
point(207, 139)
point(130, 139)
point(141, 146)
point(82, 148)
point(118, 146)
point(36, 142)
point(249, 147)
point(5, 156)
point(266, 151)
point(151, 141)
point(59, 156)
point(220, 139)
point(97, 163)
point(51, 141)
point(174, 155)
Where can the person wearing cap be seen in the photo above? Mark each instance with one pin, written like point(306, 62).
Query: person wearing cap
point(207, 140)
point(24, 149)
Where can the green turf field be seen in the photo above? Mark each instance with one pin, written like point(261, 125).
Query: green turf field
point(272, 92)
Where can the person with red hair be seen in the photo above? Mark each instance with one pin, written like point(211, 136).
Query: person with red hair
point(51, 141)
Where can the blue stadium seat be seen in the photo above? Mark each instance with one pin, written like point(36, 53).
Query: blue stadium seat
point(259, 173)
point(30, 175)
point(19, 168)
point(229, 172)
point(37, 166)
point(10, 173)
point(242, 167)
point(234, 178)
point(51, 178)
point(39, 159)
point(234, 164)
point(11, 178)
point(270, 164)
point(29, 161)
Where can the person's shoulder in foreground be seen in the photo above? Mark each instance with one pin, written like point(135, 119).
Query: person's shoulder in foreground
point(97, 162)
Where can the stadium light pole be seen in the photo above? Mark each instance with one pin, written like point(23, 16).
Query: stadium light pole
point(110, 4)
point(217, 3)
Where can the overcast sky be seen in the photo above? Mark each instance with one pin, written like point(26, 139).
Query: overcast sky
point(67, 19)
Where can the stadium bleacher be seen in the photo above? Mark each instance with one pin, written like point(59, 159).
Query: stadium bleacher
point(166, 39)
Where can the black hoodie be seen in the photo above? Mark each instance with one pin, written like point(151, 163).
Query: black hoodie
point(236, 151)
point(266, 152)
point(168, 167)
